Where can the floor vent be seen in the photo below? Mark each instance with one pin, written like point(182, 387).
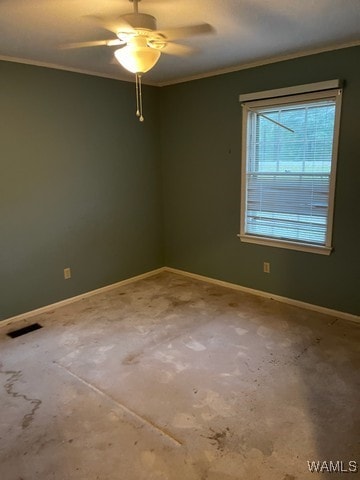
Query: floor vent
point(24, 330)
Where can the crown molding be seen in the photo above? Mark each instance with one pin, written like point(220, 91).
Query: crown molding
point(55, 66)
point(212, 73)
point(260, 63)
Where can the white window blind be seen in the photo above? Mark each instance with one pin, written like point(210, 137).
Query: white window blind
point(289, 169)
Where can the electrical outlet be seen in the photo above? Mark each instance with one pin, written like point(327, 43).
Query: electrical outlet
point(67, 273)
point(266, 267)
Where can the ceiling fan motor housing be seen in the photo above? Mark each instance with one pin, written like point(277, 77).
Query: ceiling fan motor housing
point(140, 20)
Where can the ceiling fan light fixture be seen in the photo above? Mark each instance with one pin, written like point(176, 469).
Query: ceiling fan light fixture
point(142, 43)
point(137, 56)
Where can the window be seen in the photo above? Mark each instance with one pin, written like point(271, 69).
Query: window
point(288, 167)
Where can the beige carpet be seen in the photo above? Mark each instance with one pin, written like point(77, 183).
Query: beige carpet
point(172, 378)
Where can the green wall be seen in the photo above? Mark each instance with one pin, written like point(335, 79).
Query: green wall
point(201, 151)
point(79, 185)
point(84, 185)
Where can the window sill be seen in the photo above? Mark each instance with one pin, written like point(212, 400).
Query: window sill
point(301, 247)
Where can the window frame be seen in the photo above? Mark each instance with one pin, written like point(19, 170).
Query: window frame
point(292, 95)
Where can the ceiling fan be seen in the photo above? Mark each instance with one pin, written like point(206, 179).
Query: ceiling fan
point(141, 44)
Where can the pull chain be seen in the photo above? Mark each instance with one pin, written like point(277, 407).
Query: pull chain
point(139, 108)
point(140, 101)
point(137, 94)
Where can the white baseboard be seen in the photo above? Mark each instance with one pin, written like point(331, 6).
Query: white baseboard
point(260, 293)
point(233, 286)
point(68, 301)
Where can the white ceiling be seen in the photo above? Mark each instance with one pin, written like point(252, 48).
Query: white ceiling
point(247, 31)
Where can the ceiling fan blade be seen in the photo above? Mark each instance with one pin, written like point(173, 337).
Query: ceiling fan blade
point(93, 43)
point(177, 49)
point(113, 24)
point(113, 61)
point(183, 32)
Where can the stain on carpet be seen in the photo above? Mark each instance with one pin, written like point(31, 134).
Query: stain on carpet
point(13, 377)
